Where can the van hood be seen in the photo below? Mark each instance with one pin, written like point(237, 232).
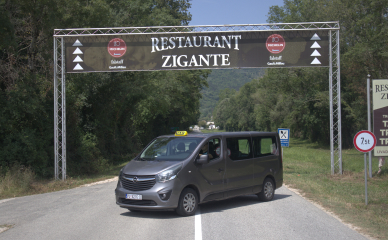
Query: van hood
point(147, 167)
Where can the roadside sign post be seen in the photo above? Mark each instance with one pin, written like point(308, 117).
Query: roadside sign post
point(284, 136)
point(369, 123)
point(365, 141)
point(366, 181)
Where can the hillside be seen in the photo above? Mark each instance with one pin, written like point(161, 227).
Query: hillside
point(221, 79)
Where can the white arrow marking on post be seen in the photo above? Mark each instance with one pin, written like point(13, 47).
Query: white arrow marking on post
point(316, 61)
point(78, 51)
point(77, 43)
point(78, 67)
point(315, 54)
point(315, 45)
point(78, 59)
point(315, 38)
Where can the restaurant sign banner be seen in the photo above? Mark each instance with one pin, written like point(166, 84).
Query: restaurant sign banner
point(184, 51)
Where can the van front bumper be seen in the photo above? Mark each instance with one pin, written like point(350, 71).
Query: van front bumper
point(151, 198)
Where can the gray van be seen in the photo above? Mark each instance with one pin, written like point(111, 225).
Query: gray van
point(178, 172)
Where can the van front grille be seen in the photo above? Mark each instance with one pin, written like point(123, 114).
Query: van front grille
point(138, 202)
point(137, 183)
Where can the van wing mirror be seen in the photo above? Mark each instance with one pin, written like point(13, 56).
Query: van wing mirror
point(203, 159)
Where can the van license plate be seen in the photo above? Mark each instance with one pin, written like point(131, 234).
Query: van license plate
point(134, 196)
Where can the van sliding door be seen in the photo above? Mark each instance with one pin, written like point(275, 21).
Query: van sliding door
point(239, 166)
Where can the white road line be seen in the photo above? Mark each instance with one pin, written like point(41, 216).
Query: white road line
point(198, 226)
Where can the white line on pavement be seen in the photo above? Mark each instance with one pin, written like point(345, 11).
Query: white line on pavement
point(198, 226)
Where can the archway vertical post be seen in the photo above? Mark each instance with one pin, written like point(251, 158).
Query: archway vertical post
point(335, 103)
point(59, 109)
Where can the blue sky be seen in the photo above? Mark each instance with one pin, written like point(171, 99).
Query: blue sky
point(220, 12)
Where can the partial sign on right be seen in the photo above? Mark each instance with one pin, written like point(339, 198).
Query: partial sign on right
point(380, 116)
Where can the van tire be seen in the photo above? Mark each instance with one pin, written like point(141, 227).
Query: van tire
point(188, 203)
point(268, 191)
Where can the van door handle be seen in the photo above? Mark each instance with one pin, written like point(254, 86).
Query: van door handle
point(220, 170)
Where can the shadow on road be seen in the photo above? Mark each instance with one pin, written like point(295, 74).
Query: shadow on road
point(152, 214)
point(210, 207)
point(237, 202)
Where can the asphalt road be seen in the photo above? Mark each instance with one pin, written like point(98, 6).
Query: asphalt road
point(91, 213)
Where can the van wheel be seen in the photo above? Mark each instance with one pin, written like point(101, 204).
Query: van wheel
point(188, 203)
point(268, 191)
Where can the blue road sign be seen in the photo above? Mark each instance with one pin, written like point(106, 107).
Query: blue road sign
point(284, 135)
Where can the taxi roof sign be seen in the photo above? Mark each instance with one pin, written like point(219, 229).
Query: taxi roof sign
point(180, 133)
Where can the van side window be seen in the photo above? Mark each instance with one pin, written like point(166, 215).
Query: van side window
point(212, 148)
point(265, 146)
point(239, 148)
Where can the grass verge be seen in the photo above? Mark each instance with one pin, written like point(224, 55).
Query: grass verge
point(20, 181)
point(307, 168)
point(5, 227)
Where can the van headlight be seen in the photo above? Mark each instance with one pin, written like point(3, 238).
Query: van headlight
point(168, 174)
point(120, 176)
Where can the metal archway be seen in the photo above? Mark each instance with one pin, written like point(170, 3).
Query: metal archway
point(60, 78)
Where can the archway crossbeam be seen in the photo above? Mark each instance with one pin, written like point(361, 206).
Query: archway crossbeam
point(196, 29)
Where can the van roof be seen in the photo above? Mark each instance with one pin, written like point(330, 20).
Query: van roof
point(204, 135)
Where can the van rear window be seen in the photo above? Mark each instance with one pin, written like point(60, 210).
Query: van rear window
point(239, 148)
point(265, 146)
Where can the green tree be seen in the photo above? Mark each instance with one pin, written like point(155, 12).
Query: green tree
point(202, 123)
point(221, 79)
point(110, 116)
point(363, 51)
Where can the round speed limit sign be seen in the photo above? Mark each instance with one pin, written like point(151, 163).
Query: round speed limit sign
point(364, 141)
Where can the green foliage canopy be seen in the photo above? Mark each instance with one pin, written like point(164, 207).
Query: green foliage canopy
point(298, 98)
point(221, 79)
point(110, 116)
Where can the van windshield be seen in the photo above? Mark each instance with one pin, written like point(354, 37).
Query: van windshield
point(170, 149)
